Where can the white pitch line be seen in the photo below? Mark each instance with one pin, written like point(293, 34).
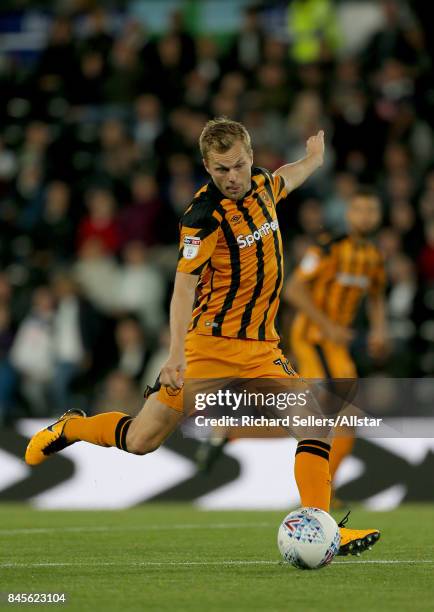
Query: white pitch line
point(134, 563)
point(168, 527)
point(383, 561)
point(203, 563)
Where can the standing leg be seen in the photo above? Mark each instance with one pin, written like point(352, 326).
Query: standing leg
point(312, 473)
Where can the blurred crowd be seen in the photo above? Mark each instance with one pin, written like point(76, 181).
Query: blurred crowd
point(99, 158)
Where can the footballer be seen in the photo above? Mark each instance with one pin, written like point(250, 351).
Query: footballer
point(326, 289)
point(223, 309)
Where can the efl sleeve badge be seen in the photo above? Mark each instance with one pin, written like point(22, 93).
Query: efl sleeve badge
point(191, 247)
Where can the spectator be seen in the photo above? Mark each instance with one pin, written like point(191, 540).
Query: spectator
point(101, 222)
point(98, 38)
point(306, 117)
point(398, 186)
point(148, 123)
point(197, 94)
point(53, 232)
point(180, 179)
point(403, 220)
point(76, 329)
point(178, 27)
point(246, 52)
point(272, 84)
point(400, 38)
point(158, 358)
point(88, 90)
point(400, 301)
point(208, 62)
point(358, 133)
point(58, 60)
point(313, 30)
point(119, 154)
point(133, 352)
point(32, 352)
point(335, 207)
point(311, 218)
point(171, 71)
point(97, 274)
point(141, 289)
point(138, 221)
point(125, 74)
point(119, 392)
point(389, 242)
point(264, 128)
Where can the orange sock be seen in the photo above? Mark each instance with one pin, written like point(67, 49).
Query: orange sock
point(312, 473)
point(341, 448)
point(107, 429)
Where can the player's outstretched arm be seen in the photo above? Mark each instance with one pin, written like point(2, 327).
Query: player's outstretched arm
point(296, 173)
point(297, 294)
point(181, 307)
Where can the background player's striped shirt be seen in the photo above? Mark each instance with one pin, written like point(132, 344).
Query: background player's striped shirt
point(340, 273)
point(236, 248)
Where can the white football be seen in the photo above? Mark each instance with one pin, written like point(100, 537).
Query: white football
point(308, 538)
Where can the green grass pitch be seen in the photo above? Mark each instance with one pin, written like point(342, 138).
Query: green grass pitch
point(175, 558)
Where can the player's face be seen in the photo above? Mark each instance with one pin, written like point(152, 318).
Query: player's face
point(231, 171)
point(364, 215)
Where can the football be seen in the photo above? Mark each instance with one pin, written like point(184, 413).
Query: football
point(308, 538)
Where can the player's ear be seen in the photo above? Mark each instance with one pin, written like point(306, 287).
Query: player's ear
point(205, 165)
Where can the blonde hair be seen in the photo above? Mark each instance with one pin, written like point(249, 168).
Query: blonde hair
point(221, 134)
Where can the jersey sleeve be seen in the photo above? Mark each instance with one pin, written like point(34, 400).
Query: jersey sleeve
point(199, 229)
point(316, 261)
point(279, 188)
point(275, 184)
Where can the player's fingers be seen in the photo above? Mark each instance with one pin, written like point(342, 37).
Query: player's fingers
point(173, 385)
point(180, 376)
point(177, 378)
point(168, 377)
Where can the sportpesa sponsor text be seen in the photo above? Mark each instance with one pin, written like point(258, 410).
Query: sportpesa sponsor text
point(264, 230)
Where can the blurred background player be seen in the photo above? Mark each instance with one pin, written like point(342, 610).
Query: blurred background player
point(326, 289)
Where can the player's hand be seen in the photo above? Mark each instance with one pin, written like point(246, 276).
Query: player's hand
point(172, 372)
point(338, 334)
point(315, 147)
point(378, 345)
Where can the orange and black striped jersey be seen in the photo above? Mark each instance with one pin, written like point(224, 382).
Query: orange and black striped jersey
point(236, 248)
point(340, 272)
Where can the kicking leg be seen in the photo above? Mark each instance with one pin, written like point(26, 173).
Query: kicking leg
point(152, 426)
point(139, 435)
